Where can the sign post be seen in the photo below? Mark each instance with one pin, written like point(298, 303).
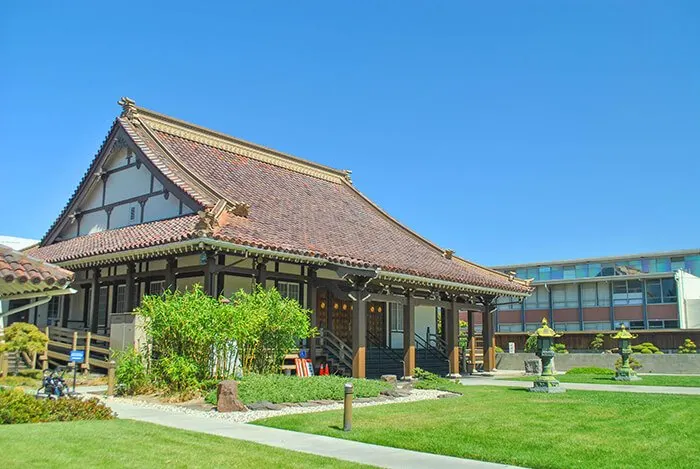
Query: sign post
point(77, 357)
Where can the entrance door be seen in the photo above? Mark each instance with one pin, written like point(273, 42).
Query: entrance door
point(376, 323)
point(341, 316)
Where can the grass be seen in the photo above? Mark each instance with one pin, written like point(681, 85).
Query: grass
point(582, 429)
point(281, 388)
point(131, 444)
point(647, 380)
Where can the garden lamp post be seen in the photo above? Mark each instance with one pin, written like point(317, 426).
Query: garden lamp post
point(546, 382)
point(624, 338)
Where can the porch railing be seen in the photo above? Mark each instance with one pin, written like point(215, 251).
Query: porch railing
point(62, 341)
point(428, 349)
point(336, 347)
point(436, 341)
point(386, 355)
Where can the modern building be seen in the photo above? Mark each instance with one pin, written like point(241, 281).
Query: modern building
point(645, 291)
point(167, 204)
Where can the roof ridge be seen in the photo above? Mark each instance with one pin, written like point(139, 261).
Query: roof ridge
point(222, 141)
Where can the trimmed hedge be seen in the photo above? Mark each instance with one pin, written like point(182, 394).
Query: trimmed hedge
point(281, 388)
point(590, 370)
point(18, 407)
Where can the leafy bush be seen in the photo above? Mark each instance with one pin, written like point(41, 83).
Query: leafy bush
point(634, 363)
point(498, 349)
point(531, 344)
point(23, 337)
point(597, 342)
point(19, 407)
point(590, 370)
point(130, 373)
point(428, 380)
point(688, 347)
point(559, 348)
point(281, 388)
point(647, 348)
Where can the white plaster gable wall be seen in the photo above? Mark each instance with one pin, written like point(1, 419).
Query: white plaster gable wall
point(93, 222)
point(94, 198)
point(131, 182)
point(117, 159)
point(158, 207)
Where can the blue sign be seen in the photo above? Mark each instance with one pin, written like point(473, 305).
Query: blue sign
point(302, 353)
point(77, 356)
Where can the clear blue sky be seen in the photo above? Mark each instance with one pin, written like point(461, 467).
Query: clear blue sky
point(508, 131)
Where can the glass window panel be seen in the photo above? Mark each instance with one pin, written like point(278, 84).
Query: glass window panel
point(619, 288)
point(692, 264)
point(521, 273)
point(569, 272)
point(581, 270)
point(588, 294)
point(668, 286)
point(653, 291)
point(594, 270)
point(656, 324)
point(677, 263)
point(533, 272)
point(663, 264)
point(603, 294)
point(671, 324)
point(558, 296)
point(556, 273)
point(545, 273)
point(607, 270)
point(634, 286)
point(645, 266)
point(636, 324)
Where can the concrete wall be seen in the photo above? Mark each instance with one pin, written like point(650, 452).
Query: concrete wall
point(667, 363)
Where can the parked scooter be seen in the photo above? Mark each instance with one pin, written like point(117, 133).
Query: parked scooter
point(53, 386)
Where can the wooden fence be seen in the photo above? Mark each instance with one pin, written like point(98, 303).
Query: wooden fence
point(62, 341)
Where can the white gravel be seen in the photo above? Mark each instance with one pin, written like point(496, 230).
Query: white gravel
point(244, 417)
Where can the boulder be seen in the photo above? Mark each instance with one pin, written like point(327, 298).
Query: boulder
point(388, 378)
point(227, 397)
point(533, 366)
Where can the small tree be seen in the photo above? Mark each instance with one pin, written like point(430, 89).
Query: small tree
point(531, 344)
point(23, 337)
point(688, 347)
point(597, 342)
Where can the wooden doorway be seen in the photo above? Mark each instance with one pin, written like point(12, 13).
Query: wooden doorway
point(376, 323)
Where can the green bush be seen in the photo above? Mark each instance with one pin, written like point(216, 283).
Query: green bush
point(688, 347)
point(428, 380)
point(19, 407)
point(23, 337)
point(590, 370)
point(498, 349)
point(597, 342)
point(130, 373)
point(531, 344)
point(559, 348)
point(646, 348)
point(281, 388)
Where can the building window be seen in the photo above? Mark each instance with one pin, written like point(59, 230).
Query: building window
point(661, 291)
point(538, 300)
point(120, 305)
point(396, 317)
point(668, 289)
point(627, 292)
point(636, 324)
point(52, 317)
point(596, 326)
point(671, 324)
point(289, 290)
point(567, 326)
point(510, 328)
point(532, 326)
point(505, 303)
point(157, 287)
point(565, 296)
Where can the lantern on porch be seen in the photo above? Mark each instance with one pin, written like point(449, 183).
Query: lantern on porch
point(624, 339)
point(546, 382)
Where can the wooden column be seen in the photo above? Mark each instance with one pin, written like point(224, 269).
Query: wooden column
point(452, 337)
point(95, 303)
point(66, 311)
point(129, 288)
point(409, 336)
point(170, 281)
point(471, 341)
point(359, 334)
point(312, 304)
point(208, 271)
point(261, 273)
point(488, 335)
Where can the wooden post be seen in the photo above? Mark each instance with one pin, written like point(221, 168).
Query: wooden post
point(472, 341)
point(359, 334)
point(111, 366)
point(4, 365)
point(66, 311)
point(488, 336)
point(45, 356)
point(261, 274)
point(312, 304)
point(452, 335)
point(95, 303)
point(86, 365)
point(129, 289)
point(170, 265)
point(209, 281)
point(409, 336)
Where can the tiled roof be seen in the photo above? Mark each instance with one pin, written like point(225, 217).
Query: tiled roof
point(315, 212)
point(20, 273)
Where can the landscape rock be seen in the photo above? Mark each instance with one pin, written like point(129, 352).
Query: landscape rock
point(446, 395)
point(227, 397)
point(392, 393)
point(533, 366)
point(388, 379)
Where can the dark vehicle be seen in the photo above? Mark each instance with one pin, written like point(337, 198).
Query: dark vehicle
point(53, 386)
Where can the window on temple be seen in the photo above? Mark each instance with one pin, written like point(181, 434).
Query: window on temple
point(53, 314)
point(289, 290)
point(396, 317)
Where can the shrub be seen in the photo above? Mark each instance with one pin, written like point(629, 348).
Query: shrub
point(647, 348)
point(280, 388)
point(687, 347)
point(590, 370)
point(531, 344)
point(130, 372)
point(634, 363)
point(559, 348)
point(597, 342)
point(19, 407)
point(498, 349)
point(23, 337)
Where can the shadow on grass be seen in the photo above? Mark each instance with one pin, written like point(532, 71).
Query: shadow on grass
point(336, 427)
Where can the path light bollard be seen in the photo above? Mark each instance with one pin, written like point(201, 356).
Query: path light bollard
point(625, 372)
point(546, 382)
point(111, 367)
point(347, 415)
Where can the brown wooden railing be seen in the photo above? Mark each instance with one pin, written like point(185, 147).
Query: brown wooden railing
point(329, 341)
point(62, 341)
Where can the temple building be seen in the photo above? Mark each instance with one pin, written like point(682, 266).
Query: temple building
point(168, 204)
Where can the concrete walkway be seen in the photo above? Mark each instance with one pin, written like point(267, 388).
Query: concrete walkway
point(363, 453)
point(474, 381)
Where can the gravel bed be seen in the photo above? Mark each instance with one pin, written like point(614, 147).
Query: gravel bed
point(251, 415)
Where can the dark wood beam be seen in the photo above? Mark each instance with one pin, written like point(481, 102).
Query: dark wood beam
point(409, 335)
point(452, 337)
point(359, 334)
point(95, 303)
point(129, 288)
point(488, 335)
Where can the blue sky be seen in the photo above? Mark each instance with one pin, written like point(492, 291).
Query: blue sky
point(507, 131)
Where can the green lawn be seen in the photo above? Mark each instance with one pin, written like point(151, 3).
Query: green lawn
point(131, 444)
point(581, 429)
point(651, 380)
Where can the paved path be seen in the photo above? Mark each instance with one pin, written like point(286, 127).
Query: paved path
point(363, 453)
point(587, 387)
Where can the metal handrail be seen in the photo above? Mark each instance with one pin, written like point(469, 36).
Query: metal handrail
point(391, 354)
point(429, 348)
point(440, 343)
point(337, 347)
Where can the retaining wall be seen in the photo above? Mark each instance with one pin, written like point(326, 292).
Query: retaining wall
point(651, 363)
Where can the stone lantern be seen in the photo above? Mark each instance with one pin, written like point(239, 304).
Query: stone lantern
point(546, 382)
point(624, 338)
